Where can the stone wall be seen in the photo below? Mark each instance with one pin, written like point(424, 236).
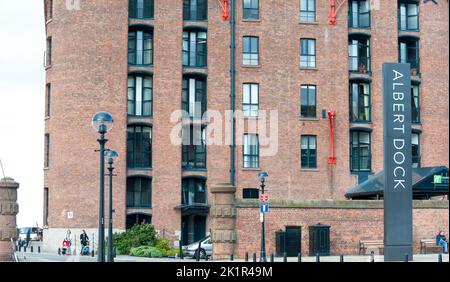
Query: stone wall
point(8, 211)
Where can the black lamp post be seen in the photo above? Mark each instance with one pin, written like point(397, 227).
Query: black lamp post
point(102, 123)
point(111, 155)
point(262, 257)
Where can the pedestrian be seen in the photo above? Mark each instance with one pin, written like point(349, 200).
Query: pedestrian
point(442, 241)
point(84, 238)
point(67, 243)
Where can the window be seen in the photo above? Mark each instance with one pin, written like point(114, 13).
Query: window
point(137, 218)
point(251, 9)
point(250, 103)
point(415, 103)
point(308, 101)
point(48, 90)
point(309, 151)
point(308, 10)
point(409, 53)
point(308, 53)
point(141, 9)
point(195, 10)
point(194, 96)
point(140, 94)
point(360, 102)
point(139, 147)
point(359, 54)
point(45, 206)
point(251, 51)
point(49, 9)
point(194, 147)
point(359, 14)
point(360, 151)
point(48, 58)
point(415, 142)
point(140, 47)
point(250, 193)
point(408, 13)
point(194, 48)
point(251, 151)
point(194, 191)
point(47, 151)
point(139, 192)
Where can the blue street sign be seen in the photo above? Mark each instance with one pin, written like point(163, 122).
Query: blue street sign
point(264, 207)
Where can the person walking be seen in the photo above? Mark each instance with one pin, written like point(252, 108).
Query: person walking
point(442, 241)
point(84, 239)
point(67, 242)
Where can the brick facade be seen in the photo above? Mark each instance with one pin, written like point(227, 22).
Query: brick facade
point(89, 73)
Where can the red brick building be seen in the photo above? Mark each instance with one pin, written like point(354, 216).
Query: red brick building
point(142, 60)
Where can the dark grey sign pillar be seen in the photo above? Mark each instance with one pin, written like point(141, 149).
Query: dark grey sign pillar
point(397, 161)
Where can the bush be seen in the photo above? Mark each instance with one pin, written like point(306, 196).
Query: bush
point(171, 252)
point(139, 235)
point(146, 251)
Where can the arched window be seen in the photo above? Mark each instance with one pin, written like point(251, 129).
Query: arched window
point(140, 95)
point(139, 147)
point(194, 191)
point(139, 192)
point(140, 46)
point(194, 147)
point(194, 48)
point(194, 95)
point(360, 105)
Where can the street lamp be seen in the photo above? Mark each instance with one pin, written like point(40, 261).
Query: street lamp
point(102, 122)
point(262, 257)
point(110, 155)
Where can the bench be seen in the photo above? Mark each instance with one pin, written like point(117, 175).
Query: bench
point(430, 244)
point(370, 244)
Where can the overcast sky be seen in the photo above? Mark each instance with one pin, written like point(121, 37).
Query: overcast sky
point(22, 87)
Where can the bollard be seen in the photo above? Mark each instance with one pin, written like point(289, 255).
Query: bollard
point(39, 249)
point(440, 258)
point(406, 258)
point(198, 251)
point(246, 257)
point(342, 258)
point(232, 257)
point(181, 249)
point(20, 248)
point(254, 257)
point(271, 258)
point(59, 251)
point(372, 256)
point(25, 249)
point(93, 253)
point(31, 249)
point(284, 257)
point(299, 257)
point(317, 258)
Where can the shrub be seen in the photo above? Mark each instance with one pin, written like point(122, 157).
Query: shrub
point(139, 235)
point(146, 251)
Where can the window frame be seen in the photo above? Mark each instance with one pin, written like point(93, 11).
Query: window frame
point(306, 55)
point(197, 18)
point(359, 146)
point(248, 109)
point(308, 87)
point(147, 34)
point(248, 16)
point(143, 202)
point(48, 92)
point(189, 183)
point(308, 12)
point(311, 162)
point(250, 159)
point(46, 206)
point(201, 59)
point(248, 52)
point(48, 10)
point(415, 100)
point(132, 154)
point(361, 107)
point(49, 49)
point(407, 16)
point(359, 15)
point(194, 156)
point(132, 102)
point(362, 42)
point(250, 193)
point(47, 150)
point(415, 64)
point(133, 10)
point(417, 157)
point(186, 95)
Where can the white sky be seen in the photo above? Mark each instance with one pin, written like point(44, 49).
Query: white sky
point(22, 87)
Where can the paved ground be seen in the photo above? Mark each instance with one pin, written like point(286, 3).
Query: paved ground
point(34, 257)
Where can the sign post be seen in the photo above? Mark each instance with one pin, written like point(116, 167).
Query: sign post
point(397, 161)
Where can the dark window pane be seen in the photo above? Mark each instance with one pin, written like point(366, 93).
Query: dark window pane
point(250, 193)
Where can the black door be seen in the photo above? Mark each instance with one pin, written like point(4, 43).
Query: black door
point(293, 240)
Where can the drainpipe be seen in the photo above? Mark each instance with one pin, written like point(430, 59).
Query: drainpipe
point(233, 89)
